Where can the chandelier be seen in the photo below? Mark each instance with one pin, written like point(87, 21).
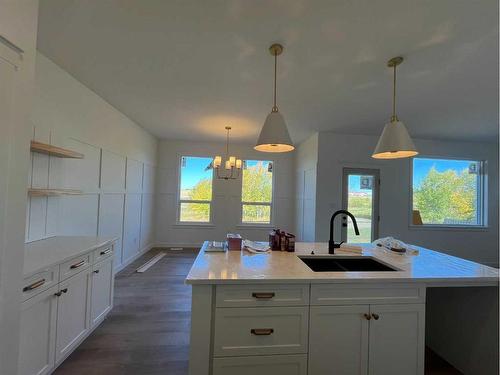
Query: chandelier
point(232, 166)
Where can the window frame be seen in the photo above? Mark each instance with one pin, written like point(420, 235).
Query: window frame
point(482, 198)
point(180, 201)
point(270, 204)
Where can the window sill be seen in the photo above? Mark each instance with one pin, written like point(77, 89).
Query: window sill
point(255, 226)
point(193, 225)
point(452, 228)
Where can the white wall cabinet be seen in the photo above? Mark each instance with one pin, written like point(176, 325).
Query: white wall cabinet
point(102, 290)
point(73, 312)
point(38, 334)
point(55, 320)
point(367, 339)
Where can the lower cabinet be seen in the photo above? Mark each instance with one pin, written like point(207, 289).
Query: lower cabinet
point(38, 333)
point(367, 339)
point(102, 290)
point(56, 320)
point(261, 365)
point(73, 312)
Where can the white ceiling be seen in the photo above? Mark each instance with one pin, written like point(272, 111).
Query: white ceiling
point(185, 69)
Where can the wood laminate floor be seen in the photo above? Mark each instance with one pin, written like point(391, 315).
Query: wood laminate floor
point(147, 333)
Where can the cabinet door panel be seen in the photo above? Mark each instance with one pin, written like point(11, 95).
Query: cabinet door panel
point(37, 333)
point(397, 339)
point(73, 313)
point(111, 208)
point(338, 340)
point(102, 289)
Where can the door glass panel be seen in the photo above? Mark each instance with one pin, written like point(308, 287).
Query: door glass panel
point(360, 204)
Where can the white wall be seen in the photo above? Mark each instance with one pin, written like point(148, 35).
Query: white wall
point(337, 151)
point(117, 174)
point(226, 195)
point(18, 23)
point(305, 164)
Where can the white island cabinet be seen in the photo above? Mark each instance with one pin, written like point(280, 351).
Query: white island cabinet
point(270, 314)
point(67, 292)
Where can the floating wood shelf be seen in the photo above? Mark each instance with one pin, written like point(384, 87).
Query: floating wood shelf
point(60, 152)
point(52, 192)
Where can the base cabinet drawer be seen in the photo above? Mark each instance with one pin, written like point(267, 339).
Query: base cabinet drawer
point(38, 333)
point(39, 282)
point(261, 365)
point(262, 295)
point(260, 331)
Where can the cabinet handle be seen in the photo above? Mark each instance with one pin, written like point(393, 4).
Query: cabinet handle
point(263, 295)
point(367, 316)
point(65, 290)
point(77, 265)
point(96, 271)
point(375, 316)
point(58, 294)
point(105, 252)
point(35, 285)
point(262, 331)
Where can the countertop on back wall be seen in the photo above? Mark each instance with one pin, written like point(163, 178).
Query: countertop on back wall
point(428, 267)
point(50, 251)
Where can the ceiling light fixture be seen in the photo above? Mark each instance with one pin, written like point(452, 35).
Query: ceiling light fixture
point(230, 164)
point(395, 142)
point(274, 135)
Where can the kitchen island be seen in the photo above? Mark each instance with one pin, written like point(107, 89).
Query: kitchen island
point(272, 314)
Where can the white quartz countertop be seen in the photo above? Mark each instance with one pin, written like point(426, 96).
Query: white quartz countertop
point(54, 250)
point(430, 267)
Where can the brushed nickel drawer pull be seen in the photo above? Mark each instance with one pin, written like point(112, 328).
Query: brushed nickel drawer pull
point(35, 285)
point(77, 265)
point(262, 331)
point(263, 295)
point(105, 252)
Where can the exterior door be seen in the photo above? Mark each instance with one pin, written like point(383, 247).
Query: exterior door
point(338, 340)
point(360, 190)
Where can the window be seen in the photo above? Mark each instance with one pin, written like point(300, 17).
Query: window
point(195, 191)
point(448, 192)
point(256, 192)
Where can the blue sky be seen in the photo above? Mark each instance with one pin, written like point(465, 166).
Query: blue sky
point(422, 166)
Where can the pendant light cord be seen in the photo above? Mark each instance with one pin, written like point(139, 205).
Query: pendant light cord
point(275, 108)
point(394, 118)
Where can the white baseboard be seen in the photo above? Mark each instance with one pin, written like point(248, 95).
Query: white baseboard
point(184, 245)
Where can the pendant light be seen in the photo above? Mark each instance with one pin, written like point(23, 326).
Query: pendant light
point(395, 142)
point(274, 135)
point(232, 165)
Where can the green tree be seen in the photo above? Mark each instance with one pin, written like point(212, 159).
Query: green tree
point(446, 195)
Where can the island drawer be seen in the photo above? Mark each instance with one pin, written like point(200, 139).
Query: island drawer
point(343, 294)
point(102, 253)
point(262, 295)
point(42, 280)
point(260, 331)
point(262, 365)
point(74, 266)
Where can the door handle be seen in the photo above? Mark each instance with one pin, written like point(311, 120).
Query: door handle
point(262, 331)
point(35, 285)
point(263, 295)
point(77, 265)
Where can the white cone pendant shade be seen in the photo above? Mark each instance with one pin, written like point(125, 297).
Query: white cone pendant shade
point(274, 135)
point(394, 143)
